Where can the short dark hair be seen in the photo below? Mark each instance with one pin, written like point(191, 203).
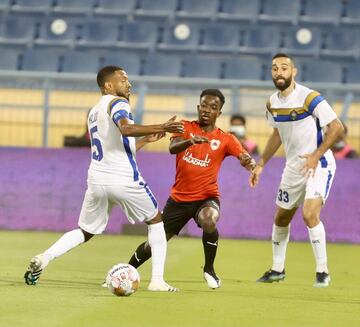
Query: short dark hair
point(284, 55)
point(214, 92)
point(104, 73)
point(238, 117)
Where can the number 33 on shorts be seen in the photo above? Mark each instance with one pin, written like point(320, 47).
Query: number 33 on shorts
point(283, 196)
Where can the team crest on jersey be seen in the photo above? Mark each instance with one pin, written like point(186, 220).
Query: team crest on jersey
point(293, 115)
point(214, 144)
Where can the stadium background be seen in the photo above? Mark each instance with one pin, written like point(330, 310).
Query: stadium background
point(50, 51)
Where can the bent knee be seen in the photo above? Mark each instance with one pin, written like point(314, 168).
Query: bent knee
point(310, 217)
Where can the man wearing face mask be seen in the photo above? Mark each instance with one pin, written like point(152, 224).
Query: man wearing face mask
point(238, 129)
point(341, 149)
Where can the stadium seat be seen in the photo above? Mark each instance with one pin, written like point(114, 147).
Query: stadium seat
point(17, 30)
point(162, 65)
point(219, 38)
point(202, 67)
point(68, 38)
point(130, 61)
point(100, 33)
point(31, 6)
point(9, 59)
point(351, 12)
point(40, 60)
point(291, 45)
point(321, 71)
point(114, 7)
point(239, 10)
point(170, 42)
point(280, 11)
point(199, 9)
point(138, 35)
point(4, 5)
point(258, 40)
point(341, 42)
point(244, 68)
point(156, 8)
point(321, 11)
point(352, 72)
point(80, 62)
point(78, 7)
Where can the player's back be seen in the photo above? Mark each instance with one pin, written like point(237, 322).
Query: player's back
point(113, 158)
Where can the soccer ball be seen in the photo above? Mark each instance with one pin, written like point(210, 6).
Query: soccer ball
point(123, 279)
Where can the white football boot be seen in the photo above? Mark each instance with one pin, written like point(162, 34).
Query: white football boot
point(35, 269)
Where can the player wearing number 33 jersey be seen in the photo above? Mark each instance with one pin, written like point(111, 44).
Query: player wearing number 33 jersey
point(307, 126)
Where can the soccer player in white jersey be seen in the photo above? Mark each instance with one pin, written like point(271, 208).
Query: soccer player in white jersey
point(307, 126)
point(114, 178)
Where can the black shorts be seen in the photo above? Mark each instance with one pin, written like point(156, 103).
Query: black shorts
point(177, 214)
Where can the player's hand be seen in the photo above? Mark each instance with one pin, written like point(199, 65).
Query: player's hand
point(154, 137)
point(197, 139)
point(173, 126)
point(311, 162)
point(255, 176)
point(247, 161)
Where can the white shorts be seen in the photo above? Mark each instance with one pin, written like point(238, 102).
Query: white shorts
point(136, 200)
point(294, 189)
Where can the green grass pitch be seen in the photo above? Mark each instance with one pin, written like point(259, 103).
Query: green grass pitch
point(69, 292)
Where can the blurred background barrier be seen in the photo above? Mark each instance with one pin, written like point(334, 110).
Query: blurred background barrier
point(42, 189)
point(41, 109)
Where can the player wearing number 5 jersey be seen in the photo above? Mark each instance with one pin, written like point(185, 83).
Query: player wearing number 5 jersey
point(307, 127)
point(114, 178)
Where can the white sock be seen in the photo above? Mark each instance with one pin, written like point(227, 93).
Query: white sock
point(158, 244)
point(280, 239)
point(318, 242)
point(64, 244)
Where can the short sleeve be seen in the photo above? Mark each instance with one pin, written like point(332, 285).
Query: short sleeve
point(268, 115)
point(325, 113)
point(234, 147)
point(269, 118)
point(119, 109)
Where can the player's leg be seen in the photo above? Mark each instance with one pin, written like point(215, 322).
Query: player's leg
point(174, 217)
point(139, 203)
point(289, 196)
point(158, 244)
point(93, 219)
point(280, 238)
point(207, 217)
point(317, 191)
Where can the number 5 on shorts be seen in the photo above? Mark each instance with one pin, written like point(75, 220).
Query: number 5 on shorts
point(283, 196)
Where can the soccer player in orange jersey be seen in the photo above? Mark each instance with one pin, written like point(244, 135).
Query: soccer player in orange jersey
point(200, 150)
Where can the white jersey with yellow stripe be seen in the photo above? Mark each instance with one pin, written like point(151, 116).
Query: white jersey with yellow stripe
point(300, 119)
point(113, 156)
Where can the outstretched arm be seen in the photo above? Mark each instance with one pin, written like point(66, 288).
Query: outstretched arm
point(247, 161)
point(170, 126)
point(272, 145)
point(179, 144)
point(140, 142)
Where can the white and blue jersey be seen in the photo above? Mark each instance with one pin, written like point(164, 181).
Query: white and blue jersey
point(113, 157)
point(301, 119)
point(113, 175)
